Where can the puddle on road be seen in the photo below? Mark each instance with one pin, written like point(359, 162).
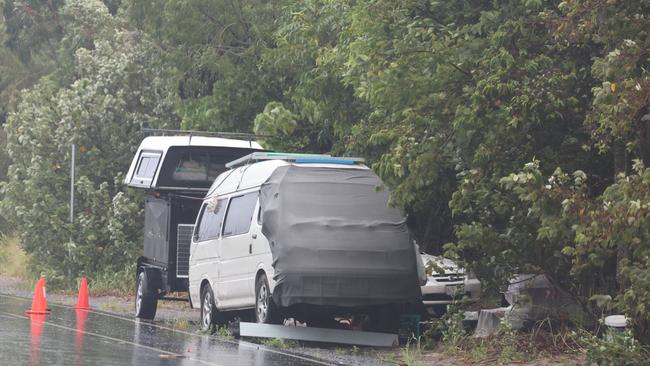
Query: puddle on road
point(77, 337)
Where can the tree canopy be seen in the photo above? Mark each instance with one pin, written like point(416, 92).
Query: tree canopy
point(513, 133)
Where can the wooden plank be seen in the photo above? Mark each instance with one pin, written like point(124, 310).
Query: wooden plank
point(309, 334)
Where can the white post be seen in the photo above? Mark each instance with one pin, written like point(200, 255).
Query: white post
point(72, 161)
point(73, 147)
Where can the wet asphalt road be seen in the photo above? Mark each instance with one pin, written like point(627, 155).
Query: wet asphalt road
point(76, 337)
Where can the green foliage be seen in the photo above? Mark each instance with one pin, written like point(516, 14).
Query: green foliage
point(533, 237)
point(617, 34)
point(449, 329)
point(308, 55)
point(33, 27)
point(179, 324)
point(26, 51)
point(119, 283)
point(4, 243)
point(479, 352)
point(215, 46)
point(278, 123)
point(410, 353)
point(279, 343)
point(508, 339)
point(118, 87)
point(225, 332)
point(616, 349)
point(446, 100)
point(452, 330)
point(13, 260)
point(4, 164)
point(615, 230)
point(556, 227)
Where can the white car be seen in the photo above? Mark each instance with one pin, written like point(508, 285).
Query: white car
point(446, 283)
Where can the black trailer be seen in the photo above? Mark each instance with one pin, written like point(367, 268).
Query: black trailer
point(176, 173)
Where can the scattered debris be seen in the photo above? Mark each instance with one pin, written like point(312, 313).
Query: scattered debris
point(531, 298)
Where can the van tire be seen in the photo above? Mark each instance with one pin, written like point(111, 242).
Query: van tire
point(265, 309)
point(146, 297)
point(209, 313)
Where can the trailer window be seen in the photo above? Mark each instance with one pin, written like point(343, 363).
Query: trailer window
point(196, 166)
point(240, 213)
point(146, 168)
point(210, 221)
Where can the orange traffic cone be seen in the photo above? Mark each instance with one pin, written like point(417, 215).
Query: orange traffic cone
point(82, 299)
point(39, 304)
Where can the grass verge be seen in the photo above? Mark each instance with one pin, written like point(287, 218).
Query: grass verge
point(121, 284)
point(13, 259)
point(279, 343)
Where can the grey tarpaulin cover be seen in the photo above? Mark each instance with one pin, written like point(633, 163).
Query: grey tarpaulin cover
point(334, 240)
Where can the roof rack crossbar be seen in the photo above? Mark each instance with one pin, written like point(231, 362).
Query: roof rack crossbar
point(231, 135)
point(258, 156)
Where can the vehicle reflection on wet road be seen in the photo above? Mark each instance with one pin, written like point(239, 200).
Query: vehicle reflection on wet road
point(80, 337)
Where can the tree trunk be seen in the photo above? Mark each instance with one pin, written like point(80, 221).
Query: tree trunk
point(644, 135)
point(620, 158)
point(623, 251)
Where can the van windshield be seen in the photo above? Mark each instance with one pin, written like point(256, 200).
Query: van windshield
point(196, 166)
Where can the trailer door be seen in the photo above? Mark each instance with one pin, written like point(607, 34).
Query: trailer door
point(156, 232)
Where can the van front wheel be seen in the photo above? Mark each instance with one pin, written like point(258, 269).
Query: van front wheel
point(265, 309)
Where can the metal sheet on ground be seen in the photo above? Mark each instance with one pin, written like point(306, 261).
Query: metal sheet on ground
point(341, 336)
point(69, 337)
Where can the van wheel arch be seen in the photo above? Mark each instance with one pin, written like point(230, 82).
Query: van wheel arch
point(204, 283)
point(259, 273)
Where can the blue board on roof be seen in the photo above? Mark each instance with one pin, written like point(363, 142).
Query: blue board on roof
point(324, 161)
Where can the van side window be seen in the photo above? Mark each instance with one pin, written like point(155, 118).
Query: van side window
point(210, 221)
point(240, 213)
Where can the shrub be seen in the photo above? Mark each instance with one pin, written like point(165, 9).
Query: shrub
point(111, 84)
point(619, 349)
point(556, 227)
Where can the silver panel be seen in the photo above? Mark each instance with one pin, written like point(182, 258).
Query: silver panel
point(183, 241)
point(310, 334)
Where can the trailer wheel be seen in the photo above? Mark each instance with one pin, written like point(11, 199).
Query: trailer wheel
point(209, 313)
point(146, 298)
point(265, 309)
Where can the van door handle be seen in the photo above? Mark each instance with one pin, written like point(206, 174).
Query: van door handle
point(254, 236)
point(250, 248)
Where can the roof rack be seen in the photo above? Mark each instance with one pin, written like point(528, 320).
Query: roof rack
point(227, 135)
point(297, 158)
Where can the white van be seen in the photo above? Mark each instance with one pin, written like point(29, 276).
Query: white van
point(298, 235)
